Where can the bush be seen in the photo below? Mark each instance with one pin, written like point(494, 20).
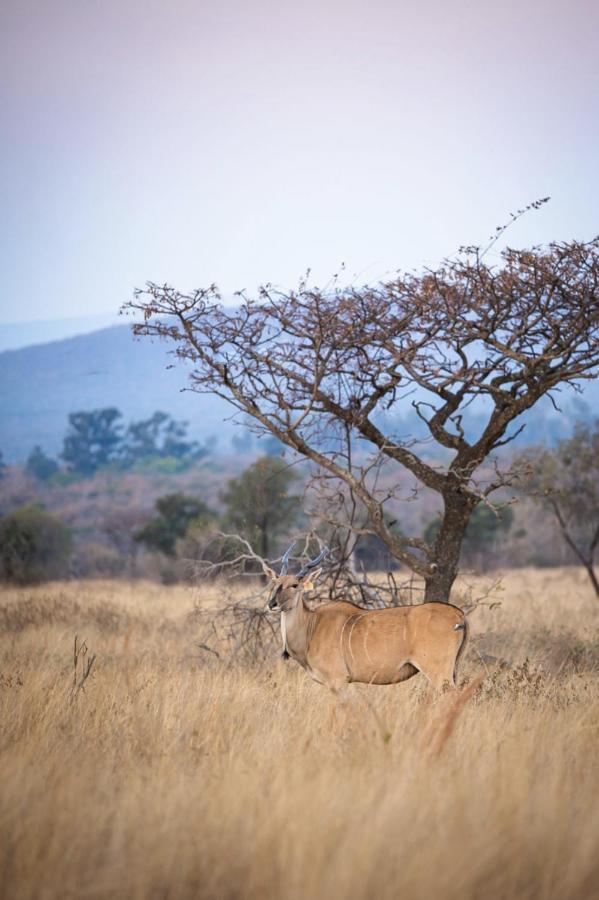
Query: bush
point(175, 513)
point(34, 546)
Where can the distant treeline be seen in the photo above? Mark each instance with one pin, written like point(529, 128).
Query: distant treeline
point(54, 528)
point(98, 438)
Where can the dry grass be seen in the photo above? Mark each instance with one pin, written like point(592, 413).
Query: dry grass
point(173, 774)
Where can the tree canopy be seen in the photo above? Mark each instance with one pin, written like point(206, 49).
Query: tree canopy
point(175, 512)
point(93, 439)
point(320, 369)
point(158, 437)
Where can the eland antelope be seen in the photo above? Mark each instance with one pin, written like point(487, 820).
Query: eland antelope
point(338, 643)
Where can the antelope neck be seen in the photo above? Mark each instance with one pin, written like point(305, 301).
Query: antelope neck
point(295, 629)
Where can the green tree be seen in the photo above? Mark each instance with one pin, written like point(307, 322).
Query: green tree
point(565, 481)
point(258, 505)
point(39, 465)
point(176, 512)
point(34, 545)
point(485, 528)
point(160, 437)
point(2, 466)
point(93, 440)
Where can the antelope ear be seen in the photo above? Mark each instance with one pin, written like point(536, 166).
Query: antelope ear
point(270, 573)
point(309, 582)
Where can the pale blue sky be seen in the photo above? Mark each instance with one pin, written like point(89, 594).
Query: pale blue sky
point(240, 142)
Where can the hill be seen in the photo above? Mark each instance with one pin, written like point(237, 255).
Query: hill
point(42, 384)
point(14, 335)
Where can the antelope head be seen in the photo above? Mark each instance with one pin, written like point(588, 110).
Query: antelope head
point(287, 589)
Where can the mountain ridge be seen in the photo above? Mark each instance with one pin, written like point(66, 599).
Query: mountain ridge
point(21, 335)
point(41, 384)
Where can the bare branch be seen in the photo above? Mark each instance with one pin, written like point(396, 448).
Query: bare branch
point(321, 369)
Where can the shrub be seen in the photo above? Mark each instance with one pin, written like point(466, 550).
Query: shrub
point(175, 513)
point(34, 546)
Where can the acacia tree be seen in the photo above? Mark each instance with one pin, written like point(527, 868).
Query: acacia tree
point(320, 368)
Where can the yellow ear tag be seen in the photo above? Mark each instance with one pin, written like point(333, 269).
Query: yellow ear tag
point(308, 586)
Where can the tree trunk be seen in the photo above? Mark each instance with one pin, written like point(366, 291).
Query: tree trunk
point(588, 562)
point(447, 546)
point(264, 543)
point(438, 586)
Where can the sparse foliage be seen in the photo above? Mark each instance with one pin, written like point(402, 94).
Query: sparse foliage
point(565, 481)
point(242, 628)
point(319, 369)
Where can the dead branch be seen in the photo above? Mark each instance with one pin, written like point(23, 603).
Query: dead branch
point(82, 666)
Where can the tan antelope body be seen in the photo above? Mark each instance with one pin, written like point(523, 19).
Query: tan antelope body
point(339, 643)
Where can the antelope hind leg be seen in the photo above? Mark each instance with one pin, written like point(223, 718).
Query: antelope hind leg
point(440, 672)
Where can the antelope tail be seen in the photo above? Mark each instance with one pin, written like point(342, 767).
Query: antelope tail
point(460, 626)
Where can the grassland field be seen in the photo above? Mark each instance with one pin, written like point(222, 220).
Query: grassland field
point(179, 770)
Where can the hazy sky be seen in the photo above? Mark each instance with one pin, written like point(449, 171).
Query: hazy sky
point(241, 142)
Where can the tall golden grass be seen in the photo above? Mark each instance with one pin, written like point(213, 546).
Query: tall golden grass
point(172, 773)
